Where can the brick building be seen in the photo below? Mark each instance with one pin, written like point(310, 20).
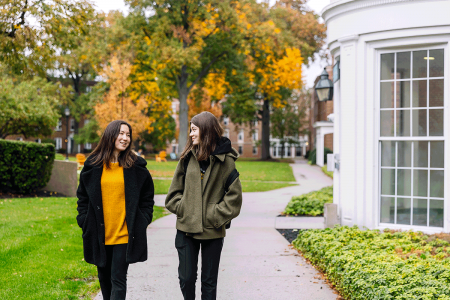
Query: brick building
point(246, 140)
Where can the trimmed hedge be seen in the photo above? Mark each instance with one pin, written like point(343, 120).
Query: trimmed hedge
point(25, 166)
point(311, 204)
point(369, 264)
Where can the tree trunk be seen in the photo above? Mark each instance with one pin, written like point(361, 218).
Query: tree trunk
point(282, 148)
point(265, 134)
point(183, 93)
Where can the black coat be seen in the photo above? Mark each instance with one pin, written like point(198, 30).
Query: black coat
point(139, 192)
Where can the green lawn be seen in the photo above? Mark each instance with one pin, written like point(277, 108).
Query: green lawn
point(41, 255)
point(60, 156)
point(256, 176)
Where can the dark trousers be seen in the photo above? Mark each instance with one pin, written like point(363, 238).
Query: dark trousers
point(188, 249)
point(113, 277)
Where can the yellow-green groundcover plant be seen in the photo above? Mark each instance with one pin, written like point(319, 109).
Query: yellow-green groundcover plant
point(369, 264)
point(311, 203)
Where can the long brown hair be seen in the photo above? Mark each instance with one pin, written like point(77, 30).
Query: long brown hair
point(103, 153)
point(210, 133)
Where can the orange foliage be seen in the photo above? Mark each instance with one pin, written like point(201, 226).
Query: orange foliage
point(199, 100)
point(116, 104)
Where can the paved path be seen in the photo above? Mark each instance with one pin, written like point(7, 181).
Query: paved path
point(256, 263)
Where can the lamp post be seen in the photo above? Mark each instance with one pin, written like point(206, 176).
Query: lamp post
point(324, 87)
point(67, 113)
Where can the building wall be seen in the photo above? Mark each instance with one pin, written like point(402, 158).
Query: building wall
point(361, 177)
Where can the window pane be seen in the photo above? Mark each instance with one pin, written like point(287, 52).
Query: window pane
point(437, 184)
point(437, 213)
point(419, 122)
point(403, 123)
point(387, 123)
point(421, 154)
point(437, 154)
point(404, 154)
point(388, 154)
point(387, 210)
point(404, 182)
point(420, 64)
point(403, 65)
point(420, 212)
point(436, 122)
point(437, 64)
point(419, 93)
point(404, 211)
point(387, 182)
point(387, 66)
point(403, 94)
point(387, 95)
point(437, 92)
point(420, 183)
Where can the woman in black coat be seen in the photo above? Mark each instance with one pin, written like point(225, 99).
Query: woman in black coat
point(115, 206)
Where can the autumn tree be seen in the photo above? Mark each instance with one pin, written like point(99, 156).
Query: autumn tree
point(29, 107)
point(184, 41)
point(284, 36)
point(117, 104)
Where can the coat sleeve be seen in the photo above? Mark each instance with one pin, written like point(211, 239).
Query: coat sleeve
point(82, 203)
point(230, 207)
point(146, 199)
point(176, 189)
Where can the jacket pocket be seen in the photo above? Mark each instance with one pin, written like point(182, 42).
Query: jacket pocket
point(210, 219)
point(180, 209)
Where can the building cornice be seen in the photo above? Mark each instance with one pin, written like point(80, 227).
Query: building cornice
point(343, 6)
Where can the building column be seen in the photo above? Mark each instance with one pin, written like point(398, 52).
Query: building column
point(320, 144)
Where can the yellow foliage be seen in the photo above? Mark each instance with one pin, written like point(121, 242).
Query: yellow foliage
point(117, 103)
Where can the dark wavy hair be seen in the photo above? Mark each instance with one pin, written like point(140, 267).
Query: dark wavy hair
point(210, 134)
point(103, 153)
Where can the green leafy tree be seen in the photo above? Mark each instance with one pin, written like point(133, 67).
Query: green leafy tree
point(289, 121)
point(30, 107)
point(31, 32)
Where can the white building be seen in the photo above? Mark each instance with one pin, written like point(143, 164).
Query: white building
point(391, 112)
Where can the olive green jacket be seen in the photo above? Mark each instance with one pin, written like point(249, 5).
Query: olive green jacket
point(198, 203)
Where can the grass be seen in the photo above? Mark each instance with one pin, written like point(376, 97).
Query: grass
point(41, 252)
point(324, 169)
point(256, 176)
point(60, 156)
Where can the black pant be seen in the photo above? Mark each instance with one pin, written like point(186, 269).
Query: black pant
point(113, 277)
point(188, 249)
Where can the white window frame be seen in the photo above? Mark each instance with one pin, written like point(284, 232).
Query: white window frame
point(255, 135)
point(59, 125)
point(241, 150)
point(241, 136)
point(226, 121)
point(255, 150)
point(72, 124)
point(226, 133)
point(58, 143)
point(379, 138)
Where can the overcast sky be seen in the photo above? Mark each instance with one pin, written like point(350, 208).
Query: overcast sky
point(309, 73)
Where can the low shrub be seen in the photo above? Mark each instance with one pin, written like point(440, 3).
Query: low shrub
point(369, 264)
point(25, 166)
point(313, 154)
point(310, 204)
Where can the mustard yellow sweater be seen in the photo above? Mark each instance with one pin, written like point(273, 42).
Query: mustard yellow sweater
point(113, 199)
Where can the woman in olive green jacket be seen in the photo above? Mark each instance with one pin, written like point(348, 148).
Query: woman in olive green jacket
point(197, 196)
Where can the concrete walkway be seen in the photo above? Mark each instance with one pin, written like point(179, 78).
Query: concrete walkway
point(256, 263)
